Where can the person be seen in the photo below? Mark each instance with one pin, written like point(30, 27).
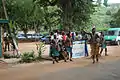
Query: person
point(51, 36)
point(64, 37)
point(54, 50)
point(84, 37)
point(103, 44)
point(94, 44)
point(7, 43)
point(77, 37)
point(68, 45)
point(73, 36)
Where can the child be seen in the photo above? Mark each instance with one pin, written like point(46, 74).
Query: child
point(103, 44)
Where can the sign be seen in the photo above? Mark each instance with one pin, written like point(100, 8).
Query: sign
point(78, 49)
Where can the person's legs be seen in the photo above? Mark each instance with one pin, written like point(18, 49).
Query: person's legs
point(97, 53)
point(70, 53)
point(8, 46)
point(64, 53)
point(106, 52)
point(101, 51)
point(86, 50)
point(53, 59)
point(93, 52)
point(56, 59)
point(5, 47)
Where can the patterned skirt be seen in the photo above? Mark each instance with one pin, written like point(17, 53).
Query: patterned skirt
point(54, 52)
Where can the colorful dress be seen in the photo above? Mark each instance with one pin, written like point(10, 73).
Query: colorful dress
point(54, 49)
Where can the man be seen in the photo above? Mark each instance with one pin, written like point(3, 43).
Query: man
point(68, 45)
point(94, 43)
point(7, 43)
point(84, 37)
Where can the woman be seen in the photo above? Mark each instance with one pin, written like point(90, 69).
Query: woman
point(54, 50)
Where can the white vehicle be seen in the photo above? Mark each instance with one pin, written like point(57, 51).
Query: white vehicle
point(21, 36)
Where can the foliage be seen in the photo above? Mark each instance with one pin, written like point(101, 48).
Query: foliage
point(108, 12)
point(41, 49)
point(115, 22)
point(100, 19)
point(72, 12)
point(8, 56)
point(28, 57)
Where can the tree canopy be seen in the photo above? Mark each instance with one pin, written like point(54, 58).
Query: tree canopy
point(49, 14)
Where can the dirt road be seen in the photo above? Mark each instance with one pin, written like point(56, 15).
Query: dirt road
point(33, 71)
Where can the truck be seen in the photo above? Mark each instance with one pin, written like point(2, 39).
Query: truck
point(112, 36)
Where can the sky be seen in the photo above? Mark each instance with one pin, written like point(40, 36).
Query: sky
point(111, 1)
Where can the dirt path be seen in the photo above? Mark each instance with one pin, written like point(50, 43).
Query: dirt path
point(33, 70)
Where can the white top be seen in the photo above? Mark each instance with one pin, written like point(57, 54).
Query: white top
point(59, 37)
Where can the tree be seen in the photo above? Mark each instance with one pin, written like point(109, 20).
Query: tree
point(72, 12)
point(100, 19)
point(108, 12)
point(115, 22)
point(99, 2)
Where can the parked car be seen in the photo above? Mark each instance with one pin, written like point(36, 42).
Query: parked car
point(112, 36)
point(45, 39)
point(37, 36)
point(29, 36)
point(21, 36)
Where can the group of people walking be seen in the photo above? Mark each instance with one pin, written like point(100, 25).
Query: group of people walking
point(61, 44)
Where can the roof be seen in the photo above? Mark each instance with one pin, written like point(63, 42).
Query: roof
point(114, 29)
point(4, 21)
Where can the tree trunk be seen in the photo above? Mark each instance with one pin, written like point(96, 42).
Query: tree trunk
point(66, 7)
point(4, 8)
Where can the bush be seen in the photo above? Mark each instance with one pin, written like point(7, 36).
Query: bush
point(28, 57)
point(8, 56)
point(41, 49)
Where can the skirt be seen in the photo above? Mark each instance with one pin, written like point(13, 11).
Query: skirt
point(54, 52)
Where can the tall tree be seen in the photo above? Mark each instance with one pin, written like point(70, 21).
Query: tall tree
point(115, 22)
point(73, 12)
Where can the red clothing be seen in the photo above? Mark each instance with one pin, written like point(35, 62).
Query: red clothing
point(64, 37)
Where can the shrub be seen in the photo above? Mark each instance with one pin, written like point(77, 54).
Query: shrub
point(41, 49)
point(28, 57)
point(8, 56)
